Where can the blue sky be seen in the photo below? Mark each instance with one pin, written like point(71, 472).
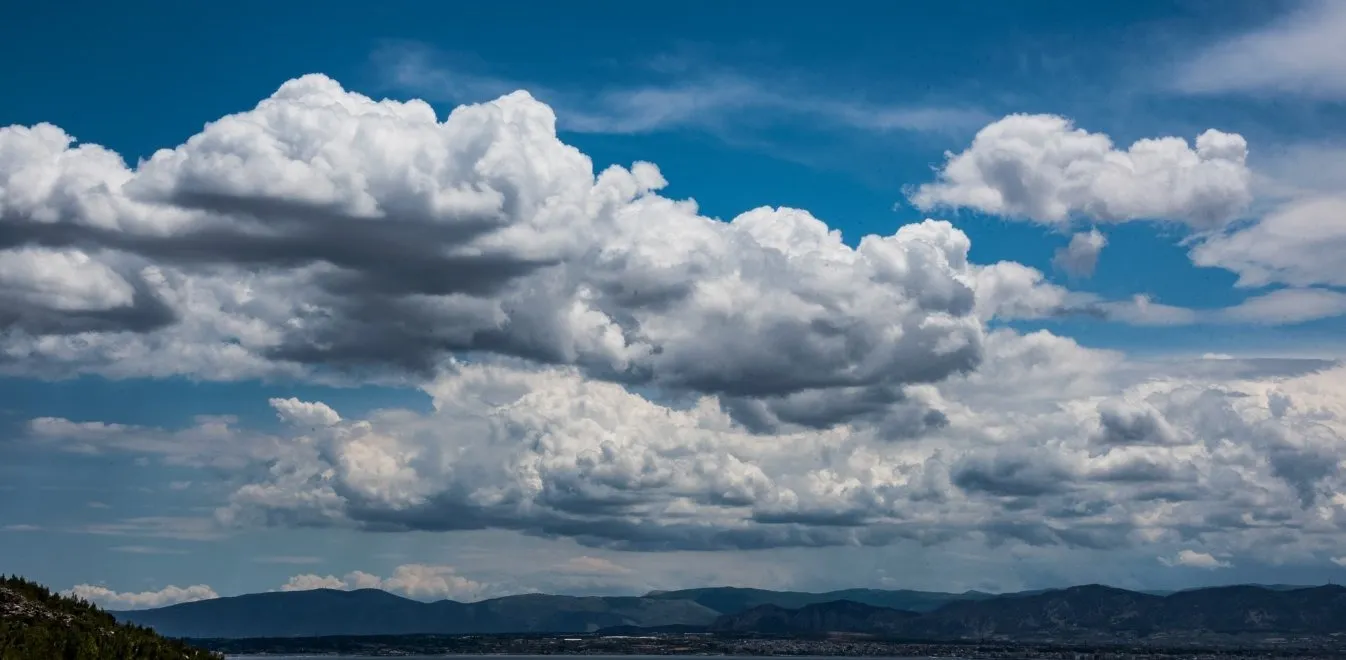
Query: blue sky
point(180, 371)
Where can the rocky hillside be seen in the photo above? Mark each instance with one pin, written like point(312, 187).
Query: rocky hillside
point(36, 624)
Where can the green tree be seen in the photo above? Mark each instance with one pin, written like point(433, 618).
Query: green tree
point(37, 624)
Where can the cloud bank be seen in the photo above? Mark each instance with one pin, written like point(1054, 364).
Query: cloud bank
point(324, 232)
point(114, 600)
point(610, 366)
point(420, 581)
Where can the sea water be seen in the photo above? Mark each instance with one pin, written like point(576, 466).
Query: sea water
point(543, 657)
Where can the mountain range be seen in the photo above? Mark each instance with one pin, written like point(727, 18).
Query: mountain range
point(1085, 612)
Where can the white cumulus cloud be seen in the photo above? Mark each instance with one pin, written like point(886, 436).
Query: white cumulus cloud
point(421, 581)
point(130, 600)
point(304, 413)
point(325, 231)
point(1044, 169)
point(1194, 559)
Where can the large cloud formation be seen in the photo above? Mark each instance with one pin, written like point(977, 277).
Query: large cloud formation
point(610, 366)
point(323, 231)
point(1047, 444)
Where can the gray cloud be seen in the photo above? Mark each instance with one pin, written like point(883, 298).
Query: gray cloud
point(1126, 424)
point(1080, 451)
point(1013, 474)
point(610, 366)
point(374, 240)
point(1080, 257)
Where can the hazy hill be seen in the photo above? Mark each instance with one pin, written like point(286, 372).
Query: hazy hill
point(299, 614)
point(815, 618)
point(731, 600)
point(1084, 611)
point(372, 612)
point(1057, 613)
point(36, 624)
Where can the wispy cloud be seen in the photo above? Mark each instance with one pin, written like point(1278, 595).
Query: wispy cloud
point(167, 527)
point(288, 559)
point(1279, 307)
point(147, 550)
point(586, 565)
point(169, 595)
point(1302, 53)
point(715, 100)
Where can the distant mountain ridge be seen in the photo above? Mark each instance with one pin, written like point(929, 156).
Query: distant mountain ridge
point(321, 612)
point(1084, 611)
point(731, 600)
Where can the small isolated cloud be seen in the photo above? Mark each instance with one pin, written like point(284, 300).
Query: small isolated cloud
point(115, 600)
point(310, 581)
point(1080, 257)
point(1194, 559)
point(20, 528)
point(98, 505)
point(1043, 169)
point(586, 565)
point(1303, 53)
point(304, 413)
point(420, 581)
point(1340, 561)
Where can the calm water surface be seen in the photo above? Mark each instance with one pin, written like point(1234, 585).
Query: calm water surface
point(542, 657)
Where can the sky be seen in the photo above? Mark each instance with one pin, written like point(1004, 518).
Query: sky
point(461, 300)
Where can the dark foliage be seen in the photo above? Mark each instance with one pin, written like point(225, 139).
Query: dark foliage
point(836, 616)
point(36, 624)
